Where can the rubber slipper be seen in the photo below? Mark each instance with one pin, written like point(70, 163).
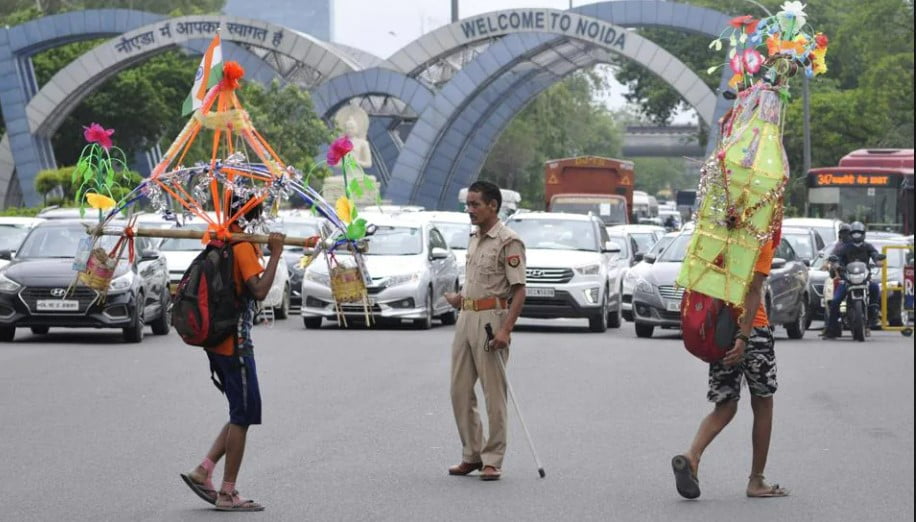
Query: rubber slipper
point(236, 503)
point(773, 492)
point(207, 495)
point(688, 485)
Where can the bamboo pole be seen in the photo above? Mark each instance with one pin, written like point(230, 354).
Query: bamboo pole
point(196, 233)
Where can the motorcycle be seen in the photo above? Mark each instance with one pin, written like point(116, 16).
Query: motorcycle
point(856, 318)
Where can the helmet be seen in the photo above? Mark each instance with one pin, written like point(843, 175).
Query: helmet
point(844, 231)
point(857, 232)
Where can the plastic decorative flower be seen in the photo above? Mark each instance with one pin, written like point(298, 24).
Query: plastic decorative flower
point(339, 149)
point(95, 133)
point(100, 201)
point(821, 40)
point(736, 80)
point(819, 60)
point(753, 60)
point(795, 10)
point(773, 44)
point(344, 209)
point(736, 64)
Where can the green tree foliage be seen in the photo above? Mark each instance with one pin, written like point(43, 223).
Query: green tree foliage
point(56, 186)
point(564, 121)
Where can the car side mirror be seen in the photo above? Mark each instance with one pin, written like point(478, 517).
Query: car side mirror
point(778, 263)
point(6, 255)
point(638, 257)
point(649, 258)
point(610, 247)
point(438, 253)
point(807, 262)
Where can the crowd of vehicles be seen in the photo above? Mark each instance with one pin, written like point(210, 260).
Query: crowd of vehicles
point(586, 258)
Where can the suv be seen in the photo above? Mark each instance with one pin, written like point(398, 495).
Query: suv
point(33, 287)
point(572, 268)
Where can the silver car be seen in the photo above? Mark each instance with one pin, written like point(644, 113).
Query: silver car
point(411, 267)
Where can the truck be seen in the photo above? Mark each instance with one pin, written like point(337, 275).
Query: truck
point(593, 185)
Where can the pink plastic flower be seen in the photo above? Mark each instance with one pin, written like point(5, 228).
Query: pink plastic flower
point(753, 60)
point(339, 149)
point(736, 64)
point(95, 133)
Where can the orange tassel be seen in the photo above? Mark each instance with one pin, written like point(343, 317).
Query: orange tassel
point(232, 73)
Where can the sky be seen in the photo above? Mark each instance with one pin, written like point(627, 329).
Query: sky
point(384, 31)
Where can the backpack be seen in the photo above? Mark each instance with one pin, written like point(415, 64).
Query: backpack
point(205, 308)
point(708, 326)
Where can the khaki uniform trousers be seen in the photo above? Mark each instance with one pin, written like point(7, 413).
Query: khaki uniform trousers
point(471, 361)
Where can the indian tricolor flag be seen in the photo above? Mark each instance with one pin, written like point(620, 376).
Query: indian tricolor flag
point(209, 74)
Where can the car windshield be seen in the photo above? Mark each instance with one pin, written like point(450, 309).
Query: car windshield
point(298, 229)
point(828, 234)
point(184, 245)
point(11, 236)
point(660, 245)
point(677, 250)
point(456, 235)
point(612, 211)
point(624, 245)
point(395, 241)
point(58, 242)
point(801, 243)
point(556, 234)
point(644, 241)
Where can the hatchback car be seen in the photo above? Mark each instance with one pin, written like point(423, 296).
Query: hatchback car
point(456, 229)
point(572, 268)
point(13, 230)
point(34, 287)
point(411, 268)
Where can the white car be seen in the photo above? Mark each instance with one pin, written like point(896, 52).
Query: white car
point(571, 268)
point(13, 230)
point(181, 252)
point(299, 224)
point(456, 228)
point(411, 267)
point(829, 229)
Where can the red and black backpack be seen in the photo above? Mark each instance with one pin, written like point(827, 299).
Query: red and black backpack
point(708, 326)
point(205, 308)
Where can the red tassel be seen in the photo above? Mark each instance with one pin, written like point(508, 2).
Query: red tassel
point(232, 73)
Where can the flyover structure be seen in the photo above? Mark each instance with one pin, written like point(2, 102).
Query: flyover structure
point(437, 106)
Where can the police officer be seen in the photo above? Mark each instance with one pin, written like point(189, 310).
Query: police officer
point(494, 292)
point(856, 249)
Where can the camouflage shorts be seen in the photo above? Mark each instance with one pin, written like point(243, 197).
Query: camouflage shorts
point(758, 367)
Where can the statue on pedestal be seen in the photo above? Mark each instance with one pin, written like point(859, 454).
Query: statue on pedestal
point(354, 121)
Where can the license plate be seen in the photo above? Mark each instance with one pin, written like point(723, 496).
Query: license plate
point(673, 306)
point(539, 292)
point(57, 305)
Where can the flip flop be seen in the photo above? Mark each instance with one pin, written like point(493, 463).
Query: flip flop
point(207, 495)
point(773, 492)
point(688, 485)
point(238, 504)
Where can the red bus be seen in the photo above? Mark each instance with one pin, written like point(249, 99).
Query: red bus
point(874, 186)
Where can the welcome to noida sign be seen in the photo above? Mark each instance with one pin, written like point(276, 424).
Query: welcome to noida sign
point(544, 20)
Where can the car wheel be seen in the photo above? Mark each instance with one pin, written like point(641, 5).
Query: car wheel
point(627, 315)
point(162, 324)
point(134, 333)
point(282, 311)
point(598, 323)
point(450, 317)
point(40, 330)
point(312, 323)
point(7, 333)
point(796, 329)
point(643, 330)
point(427, 322)
point(615, 318)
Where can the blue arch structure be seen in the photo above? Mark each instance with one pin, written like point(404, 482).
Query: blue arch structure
point(32, 115)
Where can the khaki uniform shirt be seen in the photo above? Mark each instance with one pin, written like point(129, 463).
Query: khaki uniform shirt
point(495, 262)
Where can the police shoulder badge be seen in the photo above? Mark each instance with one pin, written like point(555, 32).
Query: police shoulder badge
point(514, 261)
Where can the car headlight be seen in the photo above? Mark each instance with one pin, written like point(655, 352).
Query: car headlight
point(403, 279)
point(857, 279)
point(644, 286)
point(121, 283)
point(588, 269)
point(8, 285)
point(318, 277)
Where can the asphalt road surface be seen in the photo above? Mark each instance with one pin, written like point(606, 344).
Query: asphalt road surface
point(358, 426)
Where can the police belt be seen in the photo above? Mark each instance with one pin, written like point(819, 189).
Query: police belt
point(487, 303)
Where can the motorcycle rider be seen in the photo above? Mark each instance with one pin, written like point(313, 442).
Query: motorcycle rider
point(856, 249)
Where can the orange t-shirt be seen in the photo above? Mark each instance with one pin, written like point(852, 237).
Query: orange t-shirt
point(763, 267)
point(247, 264)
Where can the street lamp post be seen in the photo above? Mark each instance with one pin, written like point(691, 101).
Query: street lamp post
point(454, 11)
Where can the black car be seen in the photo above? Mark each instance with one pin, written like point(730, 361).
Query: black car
point(34, 286)
point(807, 244)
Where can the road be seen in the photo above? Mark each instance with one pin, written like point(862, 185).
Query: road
point(358, 426)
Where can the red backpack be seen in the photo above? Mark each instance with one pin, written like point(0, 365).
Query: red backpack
point(708, 326)
point(205, 308)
